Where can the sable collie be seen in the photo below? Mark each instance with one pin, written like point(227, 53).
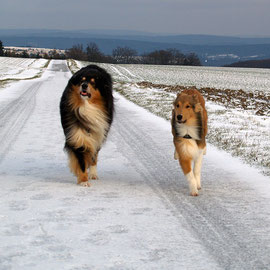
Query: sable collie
point(189, 128)
point(86, 110)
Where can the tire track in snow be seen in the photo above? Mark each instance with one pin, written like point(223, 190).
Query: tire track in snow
point(224, 234)
point(119, 73)
point(130, 73)
point(14, 115)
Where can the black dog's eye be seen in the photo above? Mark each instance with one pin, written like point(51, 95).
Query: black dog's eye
point(93, 82)
point(83, 79)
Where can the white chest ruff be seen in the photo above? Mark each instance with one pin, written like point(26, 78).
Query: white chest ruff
point(98, 126)
point(190, 149)
point(183, 129)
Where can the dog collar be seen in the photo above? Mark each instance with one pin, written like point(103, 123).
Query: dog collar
point(187, 136)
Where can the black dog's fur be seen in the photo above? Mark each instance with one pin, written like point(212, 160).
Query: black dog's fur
point(73, 120)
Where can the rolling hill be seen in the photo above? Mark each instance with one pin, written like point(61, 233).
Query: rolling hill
point(212, 50)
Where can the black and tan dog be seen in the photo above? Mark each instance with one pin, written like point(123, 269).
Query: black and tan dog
point(189, 128)
point(86, 110)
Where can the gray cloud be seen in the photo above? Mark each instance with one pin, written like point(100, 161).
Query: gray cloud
point(238, 17)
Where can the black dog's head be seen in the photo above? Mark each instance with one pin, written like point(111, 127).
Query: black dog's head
point(94, 77)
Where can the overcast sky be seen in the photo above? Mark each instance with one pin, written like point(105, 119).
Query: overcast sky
point(221, 17)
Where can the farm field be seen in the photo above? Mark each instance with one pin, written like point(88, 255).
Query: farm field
point(213, 77)
point(20, 68)
point(237, 100)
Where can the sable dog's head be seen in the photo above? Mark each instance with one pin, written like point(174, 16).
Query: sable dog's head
point(185, 107)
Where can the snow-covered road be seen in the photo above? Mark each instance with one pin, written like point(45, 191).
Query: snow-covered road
point(139, 215)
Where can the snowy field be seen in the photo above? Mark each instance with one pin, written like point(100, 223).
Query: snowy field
point(240, 131)
point(20, 68)
point(139, 215)
point(213, 77)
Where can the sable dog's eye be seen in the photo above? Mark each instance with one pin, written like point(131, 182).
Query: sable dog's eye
point(177, 105)
point(187, 106)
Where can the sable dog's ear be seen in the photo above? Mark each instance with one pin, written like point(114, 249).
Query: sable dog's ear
point(195, 99)
point(178, 97)
point(173, 114)
point(198, 108)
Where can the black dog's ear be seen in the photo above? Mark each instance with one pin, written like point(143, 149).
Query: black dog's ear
point(77, 77)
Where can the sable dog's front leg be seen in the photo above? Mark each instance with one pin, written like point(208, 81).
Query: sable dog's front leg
point(187, 170)
point(197, 168)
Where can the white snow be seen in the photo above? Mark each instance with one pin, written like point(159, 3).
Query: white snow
point(248, 79)
point(139, 214)
point(20, 68)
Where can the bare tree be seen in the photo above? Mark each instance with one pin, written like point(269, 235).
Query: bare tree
point(93, 53)
point(192, 59)
point(177, 58)
point(124, 55)
point(170, 57)
point(76, 52)
point(159, 57)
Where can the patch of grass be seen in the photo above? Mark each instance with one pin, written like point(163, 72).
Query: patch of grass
point(47, 64)
point(72, 65)
point(3, 84)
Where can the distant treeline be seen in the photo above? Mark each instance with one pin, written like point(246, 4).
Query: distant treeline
point(120, 55)
point(53, 55)
point(265, 63)
point(24, 53)
point(1, 48)
point(126, 55)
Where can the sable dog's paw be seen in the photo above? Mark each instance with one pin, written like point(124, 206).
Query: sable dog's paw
point(194, 193)
point(93, 173)
point(93, 177)
point(85, 184)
